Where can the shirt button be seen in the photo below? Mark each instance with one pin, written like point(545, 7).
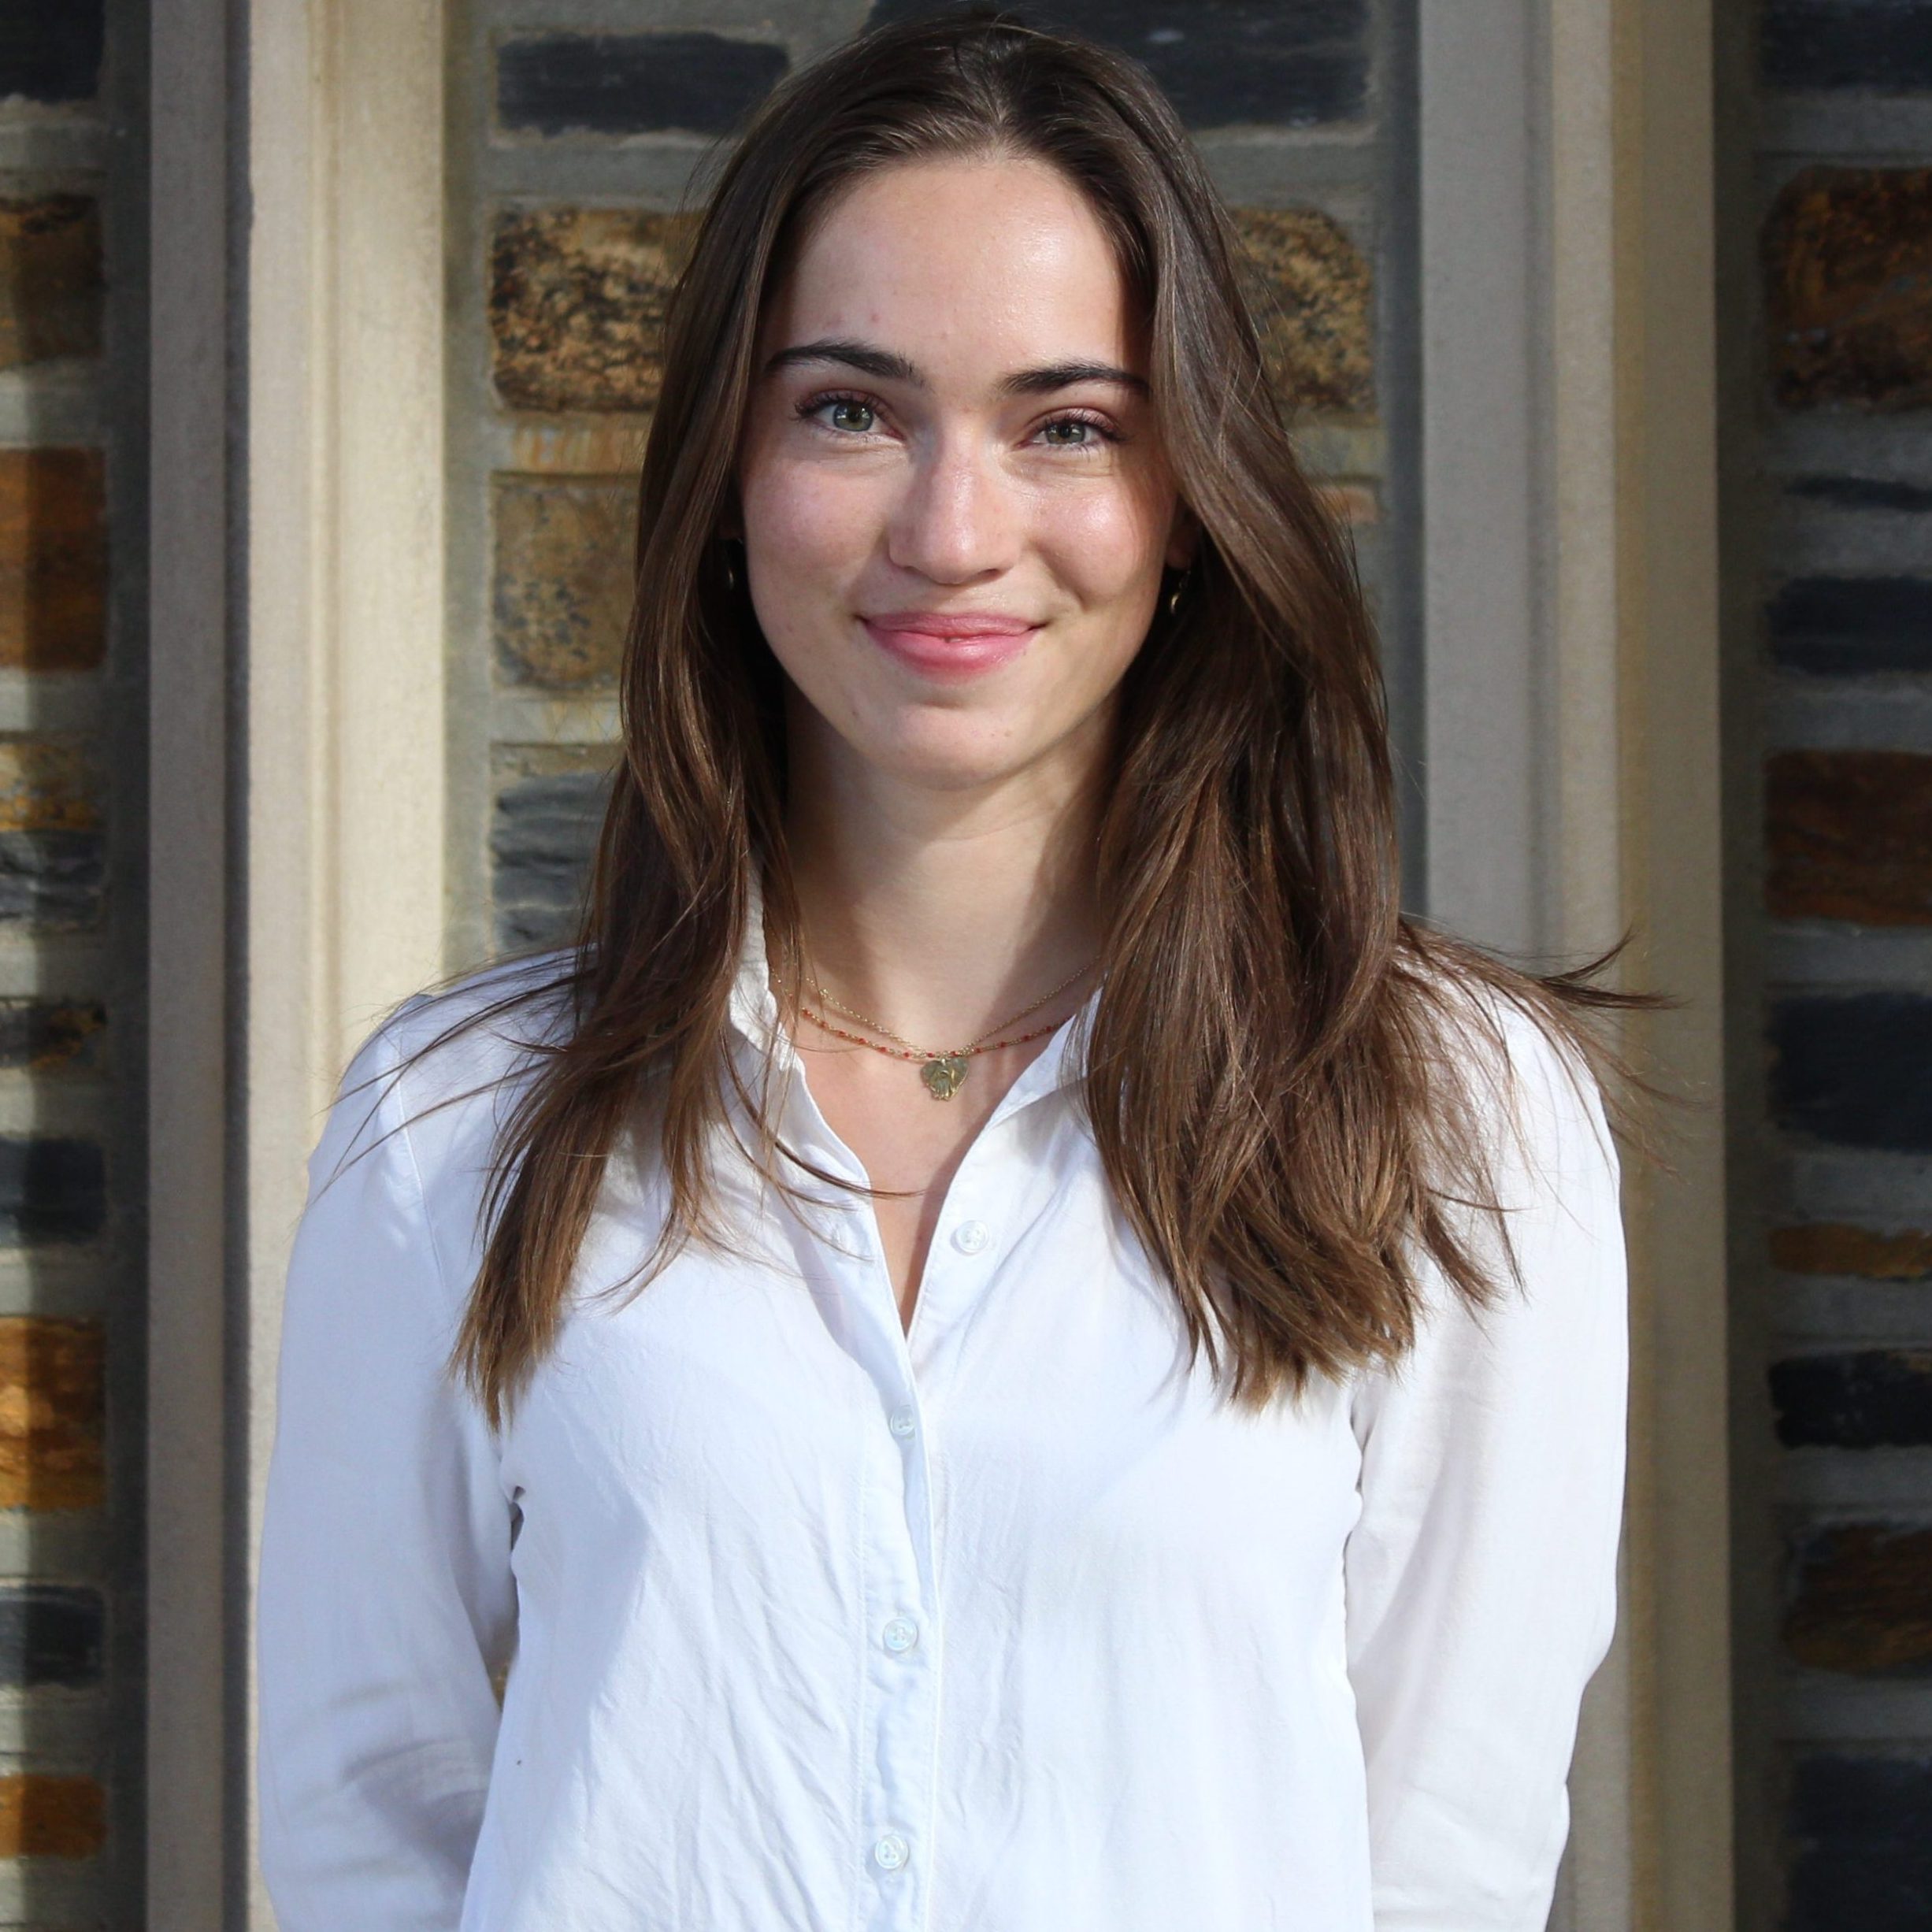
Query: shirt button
point(900, 1635)
point(970, 1236)
point(901, 1422)
point(891, 1852)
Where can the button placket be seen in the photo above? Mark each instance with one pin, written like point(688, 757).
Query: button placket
point(901, 1672)
point(959, 1266)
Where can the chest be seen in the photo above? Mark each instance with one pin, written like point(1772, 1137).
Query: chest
point(911, 1129)
point(1037, 1430)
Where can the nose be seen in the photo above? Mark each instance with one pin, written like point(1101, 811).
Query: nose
point(957, 520)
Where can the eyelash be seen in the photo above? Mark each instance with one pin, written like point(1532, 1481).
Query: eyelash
point(810, 406)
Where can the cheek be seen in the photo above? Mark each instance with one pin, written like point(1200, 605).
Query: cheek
point(798, 522)
point(1107, 544)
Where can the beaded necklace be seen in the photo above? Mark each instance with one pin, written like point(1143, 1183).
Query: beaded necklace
point(943, 1070)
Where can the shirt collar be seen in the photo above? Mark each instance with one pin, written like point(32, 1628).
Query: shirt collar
point(754, 1014)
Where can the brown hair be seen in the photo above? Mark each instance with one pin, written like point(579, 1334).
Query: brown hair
point(1267, 1081)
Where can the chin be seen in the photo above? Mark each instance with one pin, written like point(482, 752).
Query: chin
point(948, 755)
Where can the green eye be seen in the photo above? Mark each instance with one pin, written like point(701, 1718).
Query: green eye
point(1069, 431)
point(855, 416)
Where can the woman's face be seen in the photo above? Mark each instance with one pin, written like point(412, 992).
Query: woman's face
point(955, 511)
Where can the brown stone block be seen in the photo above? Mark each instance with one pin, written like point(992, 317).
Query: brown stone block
point(1827, 1248)
point(577, 298)
point(53, 559)
point(561, 593)
point(50, 1413)
point(47, 784)
point(44, 1817)
point(49, 279)
point(1863, 1601)
point(1850, 836)
point(1310, 287)
point(1847, 273)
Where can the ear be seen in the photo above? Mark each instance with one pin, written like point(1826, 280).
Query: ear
point(1183, 537)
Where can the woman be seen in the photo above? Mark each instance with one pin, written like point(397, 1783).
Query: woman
point(1007, 1345)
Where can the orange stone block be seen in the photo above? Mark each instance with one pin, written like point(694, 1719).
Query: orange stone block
point(43, 1817)
point(580, 445)
point(53, 559)
point(51, 1414)
point(561, 589)
point(1354, 503)
point(1829, 1248)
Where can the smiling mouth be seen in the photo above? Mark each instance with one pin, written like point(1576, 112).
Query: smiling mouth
point(940, 646)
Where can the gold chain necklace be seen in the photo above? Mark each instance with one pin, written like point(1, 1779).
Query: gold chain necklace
point(943, 1072)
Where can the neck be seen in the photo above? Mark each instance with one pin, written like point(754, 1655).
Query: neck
point(940, 913)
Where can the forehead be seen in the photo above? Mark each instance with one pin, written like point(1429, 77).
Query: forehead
point(993, 261)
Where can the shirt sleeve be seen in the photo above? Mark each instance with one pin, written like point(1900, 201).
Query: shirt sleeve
point(386, 1598)
point(1481, 1575)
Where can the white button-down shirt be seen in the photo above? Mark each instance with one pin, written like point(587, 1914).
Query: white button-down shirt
point(1006, 1624)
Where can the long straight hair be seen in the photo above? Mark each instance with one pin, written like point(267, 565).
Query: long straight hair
point(1267, 1081)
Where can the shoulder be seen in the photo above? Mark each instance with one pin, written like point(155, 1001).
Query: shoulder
point(445, 1066)
point(487, 1025)
point(1511, 1072)
point(385, 1246)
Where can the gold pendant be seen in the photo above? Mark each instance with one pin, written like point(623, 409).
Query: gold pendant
point(943, 1075)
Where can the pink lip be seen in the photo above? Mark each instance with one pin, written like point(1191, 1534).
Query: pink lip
point(939, 643)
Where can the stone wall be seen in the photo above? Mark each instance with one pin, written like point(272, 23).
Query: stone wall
point(584, 121)
point(72, 783)
point(1843, 449)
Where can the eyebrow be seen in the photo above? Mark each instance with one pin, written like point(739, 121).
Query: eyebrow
point(887, 365)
